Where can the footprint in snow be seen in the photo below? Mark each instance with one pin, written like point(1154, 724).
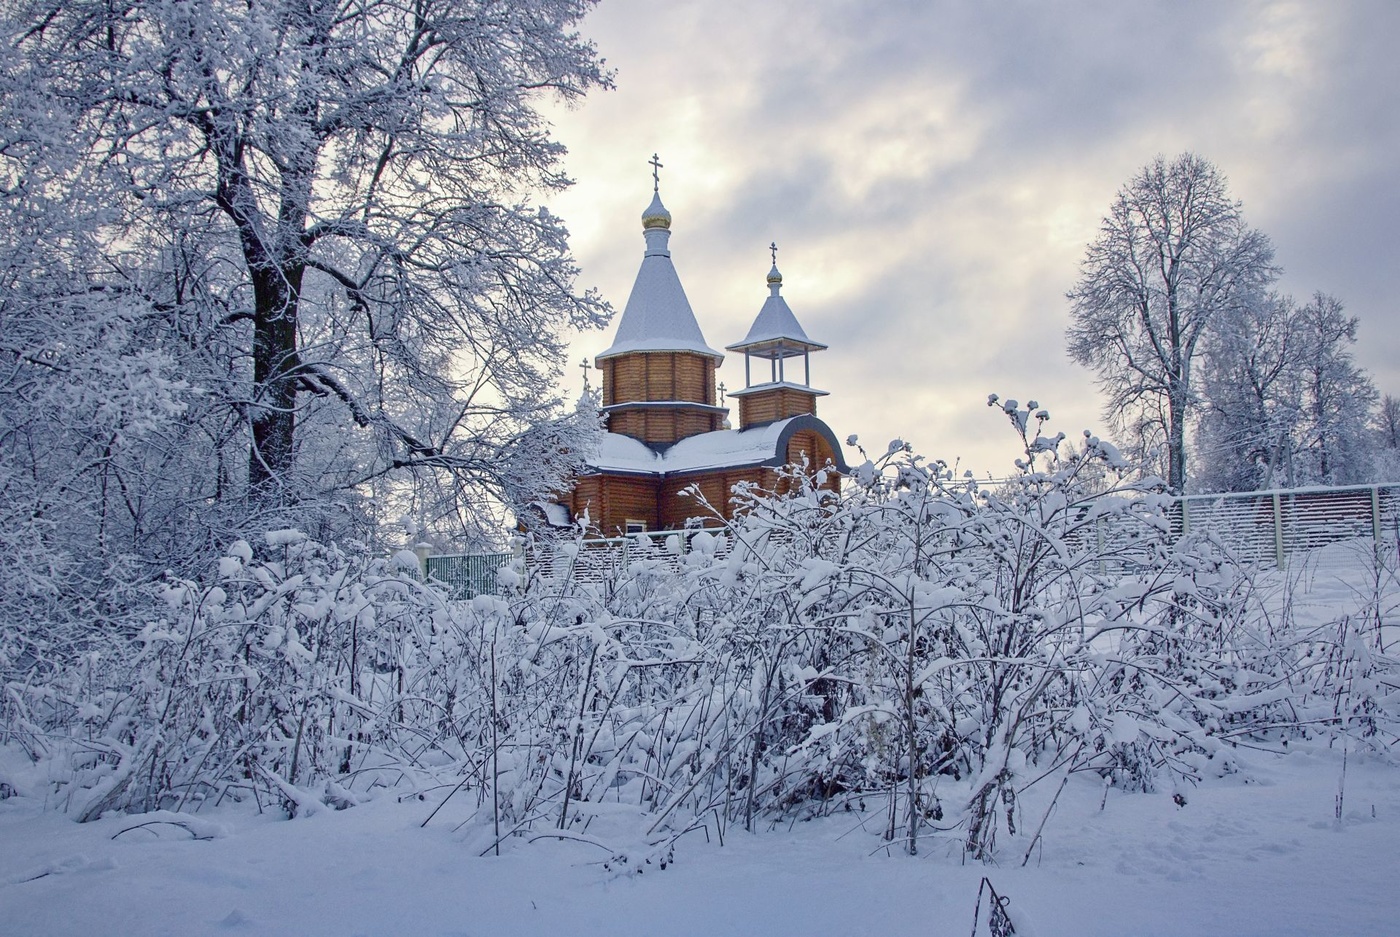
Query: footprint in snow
point(66, 866)
point(236, 918)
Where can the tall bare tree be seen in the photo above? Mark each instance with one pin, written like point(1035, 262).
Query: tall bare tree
point(1386, 466)
point(1388, 422)
point(1335, 444)
point(1172, 255)
point(1252, 390)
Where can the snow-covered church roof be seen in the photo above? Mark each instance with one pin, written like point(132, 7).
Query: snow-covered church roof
point(776, 327)
point(658, 316)
point(765, 444)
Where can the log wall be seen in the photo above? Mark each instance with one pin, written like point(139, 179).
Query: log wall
point(612, 500)
point(717, 488)
point(662, 426)
point(777, 404)
point(658, 375)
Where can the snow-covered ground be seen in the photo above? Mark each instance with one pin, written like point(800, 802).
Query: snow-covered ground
point(1256, 852)
point(1253, 853)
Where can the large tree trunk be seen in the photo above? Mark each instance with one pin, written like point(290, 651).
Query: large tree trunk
point(1176, 442)
point(275, 257)
point(276, 292)
point(1180, 349)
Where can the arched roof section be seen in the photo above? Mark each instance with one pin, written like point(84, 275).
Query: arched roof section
point(765, 445)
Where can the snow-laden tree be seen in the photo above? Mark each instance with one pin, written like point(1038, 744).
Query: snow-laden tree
point(1386, 462)
point(1285, 403)
point(330, 206)
point(85, 394)
point(1172, 256)
point(1335, 444)
point(1252, 389)
point(1387, 422)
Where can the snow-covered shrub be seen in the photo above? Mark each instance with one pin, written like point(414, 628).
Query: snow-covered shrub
point(281, 676)
point(988, 637)
point(917, 643)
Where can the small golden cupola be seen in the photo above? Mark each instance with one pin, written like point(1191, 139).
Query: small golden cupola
point(776, 337)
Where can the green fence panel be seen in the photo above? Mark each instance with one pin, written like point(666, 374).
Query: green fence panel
point(467, 575)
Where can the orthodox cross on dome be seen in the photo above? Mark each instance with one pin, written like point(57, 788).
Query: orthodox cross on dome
point(585, 366)
point(773, 248)
point(722, 391)
point(656, 166)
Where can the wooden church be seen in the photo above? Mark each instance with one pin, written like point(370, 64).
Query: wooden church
point(667, 431)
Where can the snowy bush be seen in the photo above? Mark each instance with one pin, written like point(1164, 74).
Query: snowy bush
point(917, 645)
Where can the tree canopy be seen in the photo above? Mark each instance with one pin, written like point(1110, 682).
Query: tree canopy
point(1172, 257)
point(265, 261)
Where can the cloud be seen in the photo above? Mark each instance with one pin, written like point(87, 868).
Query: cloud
point(931, 173)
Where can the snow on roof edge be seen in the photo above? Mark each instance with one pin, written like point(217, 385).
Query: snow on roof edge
point(658, 345)
point(727, 448)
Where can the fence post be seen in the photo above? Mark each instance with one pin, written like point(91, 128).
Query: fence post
point(1185, 517)
point(1376, 514)
point(1278, 530)
point(422, 551)
point(1098, 540)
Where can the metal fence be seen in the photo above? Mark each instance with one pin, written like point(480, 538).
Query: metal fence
point(466, 574)
point(1268, 527)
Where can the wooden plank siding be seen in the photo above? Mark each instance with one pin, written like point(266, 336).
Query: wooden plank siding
point(612, 500)
point(662, 426)
point(658, 376)
point(777, 404)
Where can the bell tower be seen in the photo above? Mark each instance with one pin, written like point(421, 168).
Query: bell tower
point(778, 390)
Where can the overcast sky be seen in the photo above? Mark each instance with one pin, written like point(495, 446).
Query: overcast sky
point(932, 171)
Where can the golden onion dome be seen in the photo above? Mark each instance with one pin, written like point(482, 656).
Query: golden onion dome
point(656, 215)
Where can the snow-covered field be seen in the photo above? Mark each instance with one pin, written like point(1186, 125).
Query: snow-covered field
point(1259, 851)
point(1254, 853)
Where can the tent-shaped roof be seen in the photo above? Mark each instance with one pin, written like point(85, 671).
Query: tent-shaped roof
point(776, 331)
point(658, 316)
